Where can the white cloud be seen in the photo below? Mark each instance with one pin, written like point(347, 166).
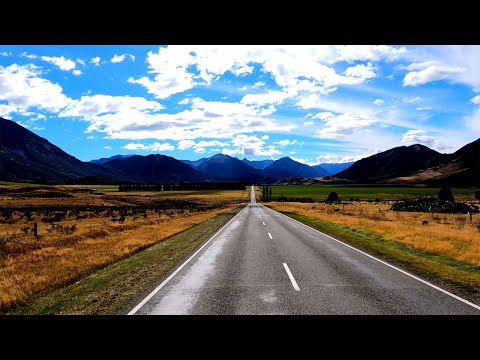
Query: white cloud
point(37, 128)
point(290, 66)
point(95, 61)
point(81, 62)
point(200, 146)
point(107, 147)
point(335, 159)
point(412, 99)
point(242, 70)
point(184, 101)
point(119, 58)
point(341, 125)
point(419, 136)
point(97, 107)
point(476, 100)
point(22, 87)
point(273, 97)
point(61, 62)
point(361, 71)
point(7, 109)
point(432, 73)
point(4, 53)
point(423, 108)
point(90, 137)
point(308, 123)
point(264, 137)
point(153, 147)
point(379, 102)
point(77, 72)
point(251, 145)
point(473, 122)
point(30, 56)
point(286, 142)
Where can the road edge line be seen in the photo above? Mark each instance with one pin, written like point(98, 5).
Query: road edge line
point(387, 264)
point(159, 287)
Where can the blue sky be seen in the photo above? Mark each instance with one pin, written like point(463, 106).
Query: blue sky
point(315, 104)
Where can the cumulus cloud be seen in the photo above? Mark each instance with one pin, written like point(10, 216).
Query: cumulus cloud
point(152, 147)
point(475, 100)
point(290, 66)
point(379, 102)
point(199, 147)
point(61, 62)
point(250, 145)
point(264, 137)
point(119, 58)
point(22, 87)
point(184, 101)
point(308, 123)
point(95, 61)
point(412, 99)
point(419, 136)
point(30, 56)
point(335, 159)
point(432, 73)
point(423, 108)
point(107, 147)
point(4, 53)
point(77, 72)
point(341, 125)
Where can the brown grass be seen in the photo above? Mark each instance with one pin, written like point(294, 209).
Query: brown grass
point(450, 235)
point(85, 240)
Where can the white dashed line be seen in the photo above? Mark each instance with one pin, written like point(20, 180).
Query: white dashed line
point(270, 235)
point(294, 283)
point(263, 222)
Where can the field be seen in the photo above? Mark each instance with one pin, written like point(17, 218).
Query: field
point(362, 192)
point(83, 228)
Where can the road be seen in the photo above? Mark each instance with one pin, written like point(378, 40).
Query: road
point(263, 262)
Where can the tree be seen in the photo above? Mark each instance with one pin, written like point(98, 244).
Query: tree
point(445, 194)
point(477, 194)
point(333, 197)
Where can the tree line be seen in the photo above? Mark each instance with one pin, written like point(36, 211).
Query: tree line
point(227, 185)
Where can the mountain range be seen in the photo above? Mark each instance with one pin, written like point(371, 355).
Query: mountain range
point(27, 157)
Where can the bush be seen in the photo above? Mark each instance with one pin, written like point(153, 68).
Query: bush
point(445, 194)
point(333, 197)
point(477, 194)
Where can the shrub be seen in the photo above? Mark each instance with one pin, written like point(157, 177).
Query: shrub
point(445, 194)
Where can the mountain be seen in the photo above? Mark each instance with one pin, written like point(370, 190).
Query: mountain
point(224, 167)
point(195, 163)
point(334, 168)
point(286, 167)
point(395, 162)
point(257, 164)
point(154, 168)
point(25, 156)
point(104, 160)
point(462, 168)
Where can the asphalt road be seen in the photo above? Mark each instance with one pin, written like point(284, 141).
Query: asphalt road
point(263, 262)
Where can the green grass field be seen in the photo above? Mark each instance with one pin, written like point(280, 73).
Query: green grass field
point(362, 192)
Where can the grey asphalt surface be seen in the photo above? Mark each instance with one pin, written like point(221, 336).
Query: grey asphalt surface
point(242, 271)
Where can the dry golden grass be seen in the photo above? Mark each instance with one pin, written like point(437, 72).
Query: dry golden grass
point(450, 235)
point(59, 256)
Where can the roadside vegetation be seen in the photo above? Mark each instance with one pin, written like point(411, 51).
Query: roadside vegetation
point(80, 230)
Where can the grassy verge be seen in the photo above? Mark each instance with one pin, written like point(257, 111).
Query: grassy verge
point(116, 288)
point(457, 277)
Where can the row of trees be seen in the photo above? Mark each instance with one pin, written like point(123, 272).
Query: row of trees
point(266, 193)
point(227, 185)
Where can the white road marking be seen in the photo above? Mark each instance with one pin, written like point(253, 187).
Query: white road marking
point(289, 273)
point(391, 266)
point(263, 222)
point(270, 235)
point(159, 287)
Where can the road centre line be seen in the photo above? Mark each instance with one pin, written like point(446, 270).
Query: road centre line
point(292, 279)
point(270, 236)
point(387, 264)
